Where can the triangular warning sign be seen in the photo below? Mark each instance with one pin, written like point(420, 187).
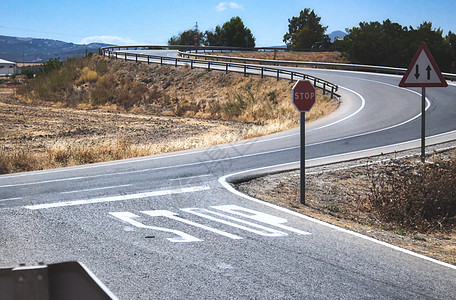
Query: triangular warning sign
point(423, 71)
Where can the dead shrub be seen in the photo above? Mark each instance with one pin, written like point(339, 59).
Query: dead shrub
point(130, 93)
point(18, 160)
point(104, 90)
point(87, 75)
point(417, 197)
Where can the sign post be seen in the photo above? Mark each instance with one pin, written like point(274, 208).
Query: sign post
point(303, 98)
point(423, 72)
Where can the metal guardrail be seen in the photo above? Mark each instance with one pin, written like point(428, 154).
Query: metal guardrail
point(340, 66)
point(262, 71)
point(187, 51)
point(67, 280)
point(202, 49)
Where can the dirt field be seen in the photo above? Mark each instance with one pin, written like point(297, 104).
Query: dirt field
point(97, 109)
point(47, 136)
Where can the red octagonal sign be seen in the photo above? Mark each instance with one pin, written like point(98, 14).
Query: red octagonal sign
point(303, 95)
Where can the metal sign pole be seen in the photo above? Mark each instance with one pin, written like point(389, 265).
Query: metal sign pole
point(303, 157)
point(423, 123)
point(423, 72)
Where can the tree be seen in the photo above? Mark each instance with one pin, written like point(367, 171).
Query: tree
point(375, 43)
point(305, 30)
point(188, 37)
point(214, 38)
point(451, 41)
point(390, 44)
point(233, 34)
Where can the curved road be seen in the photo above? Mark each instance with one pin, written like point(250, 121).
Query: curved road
point(170, 227)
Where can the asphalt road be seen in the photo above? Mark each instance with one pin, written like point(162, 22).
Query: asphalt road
point(170, 227)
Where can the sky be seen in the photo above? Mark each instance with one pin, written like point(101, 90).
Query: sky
point(154, 22)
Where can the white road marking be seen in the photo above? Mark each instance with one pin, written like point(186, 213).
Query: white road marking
point(51, 181)
point(10, 199)
point(201, 212)
point(129, 217)
point(97, 189)
point(118, 198)
point(189, 177)
point(259, 216)
point(363, 104)
point(173, 216)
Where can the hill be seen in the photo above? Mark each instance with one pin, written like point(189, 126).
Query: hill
point(336, 34)
point(34, 49)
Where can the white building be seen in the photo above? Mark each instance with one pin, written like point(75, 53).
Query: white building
point(7, 68)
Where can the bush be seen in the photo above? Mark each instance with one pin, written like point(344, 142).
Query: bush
point(28, 73)
point(235, 106)
point(87, 75)
point(415, 197)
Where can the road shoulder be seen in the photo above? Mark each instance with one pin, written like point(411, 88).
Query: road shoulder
point(333, 195)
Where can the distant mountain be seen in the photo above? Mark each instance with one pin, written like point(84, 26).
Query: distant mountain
point(336, 34)
point(33, 49)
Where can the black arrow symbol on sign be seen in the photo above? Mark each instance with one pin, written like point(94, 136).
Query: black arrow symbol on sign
point(417, 71)
point(428, 69)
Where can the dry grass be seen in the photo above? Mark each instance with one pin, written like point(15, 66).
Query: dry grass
point(414, 196)
point(95, 109)
point(97, 82)
point(67, 152)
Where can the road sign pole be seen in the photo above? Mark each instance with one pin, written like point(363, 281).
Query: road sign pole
point(303, 98)
point(423, 72)
point(423, 123)
point(303, 158)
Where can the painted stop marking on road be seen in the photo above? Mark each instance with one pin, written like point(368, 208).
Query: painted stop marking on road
point(303, 95)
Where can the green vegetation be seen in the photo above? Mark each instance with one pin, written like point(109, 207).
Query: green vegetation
point(188, 37)
point(304, 31)
point(232, 33)
point(391, 44)
point(372, 43)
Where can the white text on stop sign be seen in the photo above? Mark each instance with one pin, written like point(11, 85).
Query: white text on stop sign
point(303, 95)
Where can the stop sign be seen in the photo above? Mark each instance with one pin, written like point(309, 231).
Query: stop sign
point(303, 95)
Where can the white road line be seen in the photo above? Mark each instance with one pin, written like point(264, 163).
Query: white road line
point(10, 199)
point(97, 189)
point(129, 218)
point(265, 231)
point(363, 104)
point(173, 216)
point(118, 198)
point(189, 177)
point(51, 181)
point(218, 160)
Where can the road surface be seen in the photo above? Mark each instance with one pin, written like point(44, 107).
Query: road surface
point(170, 227)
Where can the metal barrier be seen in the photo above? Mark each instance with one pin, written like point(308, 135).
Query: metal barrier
point(186, 51)
point(340, 66)
point(262, 71)
point(67, 280)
